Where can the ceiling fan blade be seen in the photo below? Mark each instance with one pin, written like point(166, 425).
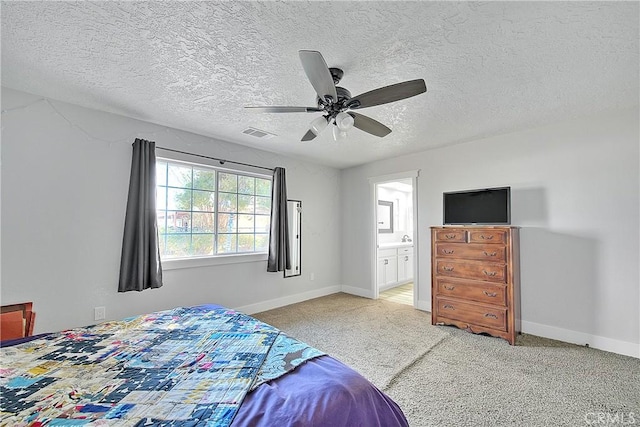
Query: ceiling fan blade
point(318, 74)
point(283, 109)
point(369, 125)
point(388, 94)
point(308, 136)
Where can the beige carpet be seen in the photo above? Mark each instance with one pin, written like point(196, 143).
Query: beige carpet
point(442, 376)
point(358, 331)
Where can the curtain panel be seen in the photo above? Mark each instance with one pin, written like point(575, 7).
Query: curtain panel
point(140, 266)
point(279, 255)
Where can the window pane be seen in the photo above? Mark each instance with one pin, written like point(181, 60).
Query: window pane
point(262, 242)
point(195, 202)
point(245, 204)
point(179, 176)
point(161, 198)
point(263, 223)
point(162, 222)
point(178, 222)
point(162, 245)
point(204, 201)
point(263, 205)
point(226, 243)
point(245, 242)
point(204, 179)
point(227, 202)
point(203, 222)
point(227, 223)
point(263, 187)
point(246, 185)
point(161, 173)
point(178, 245)
point(228, 182)
point(245, 223)
point(178, 199)
point(202, 244)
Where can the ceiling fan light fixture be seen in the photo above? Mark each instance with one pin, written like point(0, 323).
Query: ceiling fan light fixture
point(344, 121)
point(339, 135)
point(318, 125)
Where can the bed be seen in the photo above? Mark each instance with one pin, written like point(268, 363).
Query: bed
point(189, 366)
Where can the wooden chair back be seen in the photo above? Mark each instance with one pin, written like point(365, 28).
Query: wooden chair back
point(16, 321)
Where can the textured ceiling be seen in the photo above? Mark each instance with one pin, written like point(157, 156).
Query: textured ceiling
point(490, 68)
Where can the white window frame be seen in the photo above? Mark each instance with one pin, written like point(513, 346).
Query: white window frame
point(216, 259)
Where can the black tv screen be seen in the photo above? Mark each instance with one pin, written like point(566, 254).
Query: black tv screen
point(485, 206)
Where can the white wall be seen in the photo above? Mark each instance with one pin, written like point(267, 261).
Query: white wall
point(65, 174)
point(575, 193)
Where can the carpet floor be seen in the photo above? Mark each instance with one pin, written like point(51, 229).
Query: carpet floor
point(443, 376)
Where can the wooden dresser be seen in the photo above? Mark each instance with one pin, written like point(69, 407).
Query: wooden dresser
point(475, 279)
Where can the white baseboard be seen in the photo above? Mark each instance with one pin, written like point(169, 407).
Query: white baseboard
point(366, 293)
point(601, 343)
point(289, 299)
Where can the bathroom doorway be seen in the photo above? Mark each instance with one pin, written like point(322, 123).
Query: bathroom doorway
point(395, 267)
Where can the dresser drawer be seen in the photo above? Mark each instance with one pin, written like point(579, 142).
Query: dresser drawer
point(480, 292)
point(475, 314)
point(488, 236)
point(490, 272)
point(451, 235)
point(480, 252)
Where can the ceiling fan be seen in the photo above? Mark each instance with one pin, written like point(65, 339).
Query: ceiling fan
point(336, 103)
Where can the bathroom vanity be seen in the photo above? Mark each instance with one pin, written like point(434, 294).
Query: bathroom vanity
point(395, 265)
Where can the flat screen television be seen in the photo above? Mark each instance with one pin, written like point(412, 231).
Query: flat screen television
point(482, 206)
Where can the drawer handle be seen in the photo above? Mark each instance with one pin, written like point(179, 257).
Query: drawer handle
point(450, 236)
point(448, 307)
point(491, 315)
point(483, 237)
point(449, 288)
point(490, 273)
point(447, 251)
point(490, 294)
point(490, 254)
point(446, 268)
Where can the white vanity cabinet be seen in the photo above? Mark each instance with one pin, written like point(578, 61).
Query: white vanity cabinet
point(405, 265)
point(387, 268)
point(395, 266)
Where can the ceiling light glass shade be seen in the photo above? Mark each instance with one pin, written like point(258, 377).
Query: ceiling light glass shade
point(338, 135)
point(344, 121)
point(318, 125)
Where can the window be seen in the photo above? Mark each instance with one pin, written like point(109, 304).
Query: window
point(205, 211)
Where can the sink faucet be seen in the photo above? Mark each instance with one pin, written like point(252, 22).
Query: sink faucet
point(406, 238)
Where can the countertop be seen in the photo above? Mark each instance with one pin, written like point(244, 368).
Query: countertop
point(395, 245)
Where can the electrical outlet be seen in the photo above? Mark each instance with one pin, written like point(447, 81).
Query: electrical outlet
point(99, 313)
point(312, 276)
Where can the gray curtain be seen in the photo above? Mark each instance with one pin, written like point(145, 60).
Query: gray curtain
point(279, 255)
point(140, 267)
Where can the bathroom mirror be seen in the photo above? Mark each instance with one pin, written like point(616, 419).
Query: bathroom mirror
point(294, 213)
point(385, 216)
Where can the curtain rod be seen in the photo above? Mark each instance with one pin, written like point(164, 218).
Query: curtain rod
point(222, 161)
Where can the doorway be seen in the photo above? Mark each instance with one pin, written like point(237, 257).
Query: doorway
point(395, 268)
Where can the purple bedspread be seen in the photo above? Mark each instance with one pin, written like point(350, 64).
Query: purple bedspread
point(321, 392)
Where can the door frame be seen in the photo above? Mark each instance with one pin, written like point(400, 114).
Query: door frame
point(373, 184)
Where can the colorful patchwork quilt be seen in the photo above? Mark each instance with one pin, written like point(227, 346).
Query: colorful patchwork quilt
point(187, 366)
